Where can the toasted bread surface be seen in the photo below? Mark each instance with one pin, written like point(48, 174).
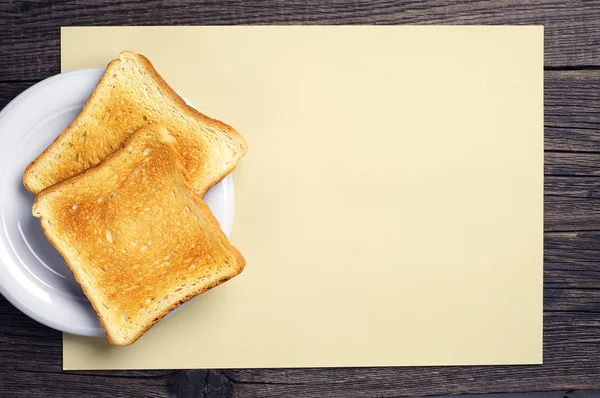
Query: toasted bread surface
point(137, 237)
point(131, 95)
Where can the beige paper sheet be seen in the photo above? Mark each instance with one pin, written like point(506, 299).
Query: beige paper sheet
point(390, 207)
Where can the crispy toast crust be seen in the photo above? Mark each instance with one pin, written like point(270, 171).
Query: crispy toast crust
point(56, 198)
point(35, 184)
point(177, 99)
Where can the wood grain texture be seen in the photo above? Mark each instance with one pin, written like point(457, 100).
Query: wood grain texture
point(572, 28)
point(572, 164)
point(572, 110)
point(571, 203)
point(30, 354)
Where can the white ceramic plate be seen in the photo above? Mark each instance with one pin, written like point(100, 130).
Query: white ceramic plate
point(33, 275)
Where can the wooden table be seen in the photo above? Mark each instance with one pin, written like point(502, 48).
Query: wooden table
point(30, 354)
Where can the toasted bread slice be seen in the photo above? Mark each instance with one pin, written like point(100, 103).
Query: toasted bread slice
point(136, 236)
point(129, 96)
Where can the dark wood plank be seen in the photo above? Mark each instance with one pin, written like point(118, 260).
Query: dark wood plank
point(570, 164)
point(572, 97)
point(571, 187)
point(572, 110)
point(572, 29)
point(64, 384)
point(571, 204)
point(572, 191)
point(571, 264)
point(569, 214)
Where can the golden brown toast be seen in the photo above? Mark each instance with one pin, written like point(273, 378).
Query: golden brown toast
point(131, 95)
point(137, 237)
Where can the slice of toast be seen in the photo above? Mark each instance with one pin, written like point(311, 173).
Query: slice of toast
point(136, 236)
point(131, 95)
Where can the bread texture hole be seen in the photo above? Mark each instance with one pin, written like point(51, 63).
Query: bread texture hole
point(83, 137)
point(124, 317)
point(105, 305)
point(110, 236)
point(192, 267)
point(77, 158)
point(101, 199)
point(111, 195)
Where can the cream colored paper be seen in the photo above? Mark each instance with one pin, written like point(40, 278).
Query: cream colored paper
point(390, 207)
